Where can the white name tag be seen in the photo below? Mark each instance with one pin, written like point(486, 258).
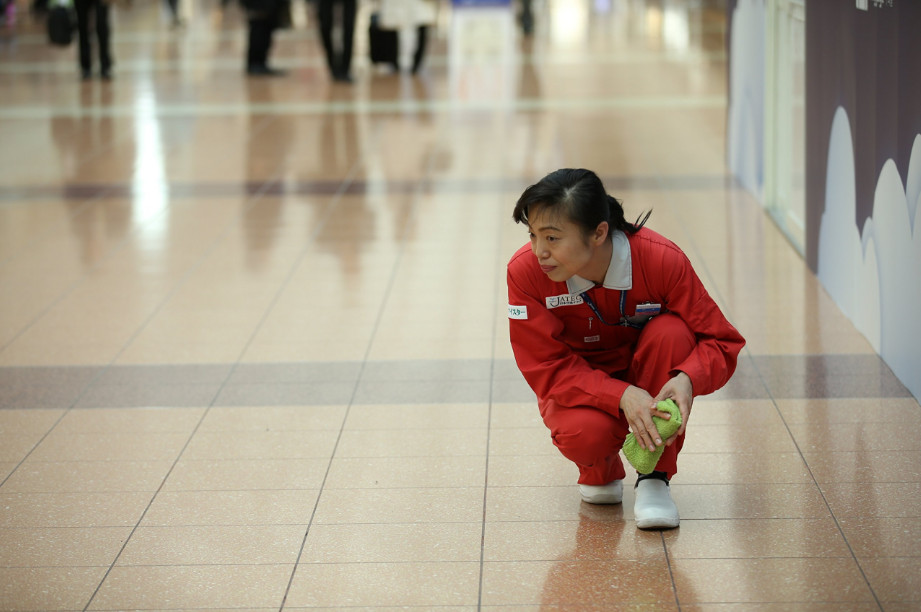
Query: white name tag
point(517, 312)
point(555, 301)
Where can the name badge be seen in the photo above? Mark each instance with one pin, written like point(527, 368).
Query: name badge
point(517, 312)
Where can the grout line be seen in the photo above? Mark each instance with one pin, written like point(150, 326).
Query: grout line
point(181, 282)
point(500, 283)
point(358, 379)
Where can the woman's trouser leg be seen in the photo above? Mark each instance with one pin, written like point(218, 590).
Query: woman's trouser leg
point(260, 37)
point(82, 8)
point(664, 343)
point(102, 34)
point(592, 438)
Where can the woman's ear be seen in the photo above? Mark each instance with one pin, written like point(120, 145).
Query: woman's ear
point(601, 233)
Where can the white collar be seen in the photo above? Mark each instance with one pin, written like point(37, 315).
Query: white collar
point(620, 271)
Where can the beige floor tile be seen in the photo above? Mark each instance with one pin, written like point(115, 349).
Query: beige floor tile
point(231, 508)
point(61, 546)
point(577, 582)
point(6, 468)
point(881, 537)
point(839, 437)
point(772, 438)
point(72, 509)
point(21, 430)
point(273, 418)
point(215, 445)
point(127, 420)
point(393, 543)
point(87, 476)
point(246, 474)
point(521, 441)
point(798, 581)
point(515, 415)
point(779, 607)
point(15, 447)
point(431, 443)
point(894, 579)
point(740, 468)
point(580, 540)
point(114, 446)
point(532, 471)
point(385, 584)
point(742, 413)
point(756, 538)
point(62, 588)
point(424, 416)
point(864, 466)
point(17, 422)
point(395, 472)
point(848, 410)
point(740, 501)
point(406, 505)
point(193, 586)
point(214, 545)
point(545, 504)
point(873, 499)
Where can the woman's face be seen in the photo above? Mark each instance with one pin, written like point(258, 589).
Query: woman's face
point(562, 250)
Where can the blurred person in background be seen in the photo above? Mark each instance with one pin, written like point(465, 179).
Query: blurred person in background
point(264, 18)
point(338, 57)
point(411, 19)
point(98, 10)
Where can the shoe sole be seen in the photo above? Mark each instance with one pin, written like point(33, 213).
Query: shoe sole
point(657, 523)
point(602, 500)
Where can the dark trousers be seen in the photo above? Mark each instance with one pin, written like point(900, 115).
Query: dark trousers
point(260, 41)
point(421, 37)
point(101, 12)
point(339, 60)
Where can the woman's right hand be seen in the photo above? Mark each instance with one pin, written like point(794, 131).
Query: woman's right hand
point(639, 407)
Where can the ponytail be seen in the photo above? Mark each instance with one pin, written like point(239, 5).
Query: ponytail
point(617, 219)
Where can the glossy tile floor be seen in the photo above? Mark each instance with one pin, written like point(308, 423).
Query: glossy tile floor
point(254, 353)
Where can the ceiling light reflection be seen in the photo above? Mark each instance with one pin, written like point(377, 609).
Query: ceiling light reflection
point(149, 188)
point(568, 23)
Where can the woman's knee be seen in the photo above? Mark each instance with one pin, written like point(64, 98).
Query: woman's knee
point(668, 328)
point(664, 343)
point(585, 435)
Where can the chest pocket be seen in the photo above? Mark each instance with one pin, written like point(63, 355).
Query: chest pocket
point(583, 331)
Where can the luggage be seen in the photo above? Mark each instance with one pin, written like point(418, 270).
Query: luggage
point(384, 44)
point(61, 24)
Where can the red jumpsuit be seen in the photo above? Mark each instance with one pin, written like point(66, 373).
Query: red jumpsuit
point(579, 366)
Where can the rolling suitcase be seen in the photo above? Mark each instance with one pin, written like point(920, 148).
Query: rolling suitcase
point(384, 44)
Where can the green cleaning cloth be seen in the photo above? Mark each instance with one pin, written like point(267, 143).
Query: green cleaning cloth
point(645, 460)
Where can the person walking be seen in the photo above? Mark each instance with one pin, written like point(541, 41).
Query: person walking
point(263, 17)
point(98, 12)
point(330, 14)
point(411, 19)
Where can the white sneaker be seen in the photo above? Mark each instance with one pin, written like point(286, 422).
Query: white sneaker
point(654, 508)
point(611, 493)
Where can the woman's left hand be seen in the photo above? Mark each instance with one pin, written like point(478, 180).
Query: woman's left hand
point(681, 391)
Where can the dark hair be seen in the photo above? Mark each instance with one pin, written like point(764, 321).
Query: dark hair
point(578, 195)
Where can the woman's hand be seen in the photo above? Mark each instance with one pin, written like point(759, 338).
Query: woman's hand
point(681, 391)
point(639, 407)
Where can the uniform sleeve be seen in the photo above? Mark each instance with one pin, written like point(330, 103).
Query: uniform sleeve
point(713, 361)
point(548, 364)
